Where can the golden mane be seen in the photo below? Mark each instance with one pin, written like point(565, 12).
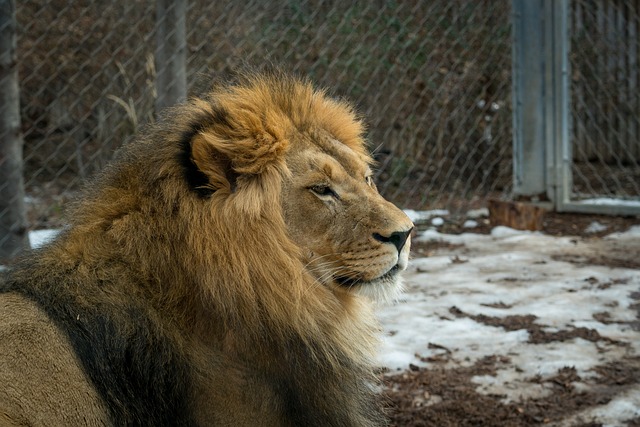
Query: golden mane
point(250, 125)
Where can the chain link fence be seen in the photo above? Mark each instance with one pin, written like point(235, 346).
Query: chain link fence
point(605, 99)
point(433, 80)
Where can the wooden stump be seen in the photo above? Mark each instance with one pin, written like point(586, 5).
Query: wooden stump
point(517, 215)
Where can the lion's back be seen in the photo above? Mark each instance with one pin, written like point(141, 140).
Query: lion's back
point(40, 372)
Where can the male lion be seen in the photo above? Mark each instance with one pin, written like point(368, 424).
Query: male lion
point(219, 272)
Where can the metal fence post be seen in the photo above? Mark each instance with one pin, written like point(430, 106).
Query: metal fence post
point(542, 152)
point(171, 53)
point(13, 222)
point(529, 177)
point(557, 102)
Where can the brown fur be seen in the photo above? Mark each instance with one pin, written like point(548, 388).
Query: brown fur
point(209, 277)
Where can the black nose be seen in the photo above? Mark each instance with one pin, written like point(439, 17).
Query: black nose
point(397, 238)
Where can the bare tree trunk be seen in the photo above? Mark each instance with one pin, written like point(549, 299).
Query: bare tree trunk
point(171, 53)
point(13, 222)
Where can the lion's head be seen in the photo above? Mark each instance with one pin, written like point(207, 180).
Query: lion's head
point(351, 238)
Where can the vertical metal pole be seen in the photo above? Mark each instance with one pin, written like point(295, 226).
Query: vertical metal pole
point(557, 105)
point(171, 53)
point(528, 100)
point(542, 152)
point(13, 221)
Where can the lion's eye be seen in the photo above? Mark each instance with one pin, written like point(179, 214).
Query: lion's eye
point(323, 190)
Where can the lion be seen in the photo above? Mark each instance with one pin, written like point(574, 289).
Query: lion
point(222, 270)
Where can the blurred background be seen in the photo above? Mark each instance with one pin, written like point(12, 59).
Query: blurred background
point(434, 81)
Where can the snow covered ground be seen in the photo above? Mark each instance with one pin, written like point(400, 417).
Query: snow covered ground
point(473, 278)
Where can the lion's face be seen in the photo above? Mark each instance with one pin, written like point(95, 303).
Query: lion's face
point(355, 240)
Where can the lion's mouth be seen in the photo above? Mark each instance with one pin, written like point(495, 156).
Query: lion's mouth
point(350, 282)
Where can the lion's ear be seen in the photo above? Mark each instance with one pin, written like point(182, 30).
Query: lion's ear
point(214, 165)
point(223, 165)
point(234, 149)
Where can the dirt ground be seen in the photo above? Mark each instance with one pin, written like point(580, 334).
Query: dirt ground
point(444, 396)
point(458, 403)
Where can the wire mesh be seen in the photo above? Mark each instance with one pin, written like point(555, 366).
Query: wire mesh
point(432, 80)
point(605, 101)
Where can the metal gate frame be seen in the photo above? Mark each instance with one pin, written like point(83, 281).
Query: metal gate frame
point(542, 146)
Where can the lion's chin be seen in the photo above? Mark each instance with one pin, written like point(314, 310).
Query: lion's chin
point(384, 289)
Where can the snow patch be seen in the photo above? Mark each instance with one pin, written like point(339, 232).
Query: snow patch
point(424, 216)
point(38, 238)
point(470, 224)
point(595, 227)
point(437, 221)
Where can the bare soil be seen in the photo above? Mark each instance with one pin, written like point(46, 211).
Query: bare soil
point(446, 397)
point(443, 396)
